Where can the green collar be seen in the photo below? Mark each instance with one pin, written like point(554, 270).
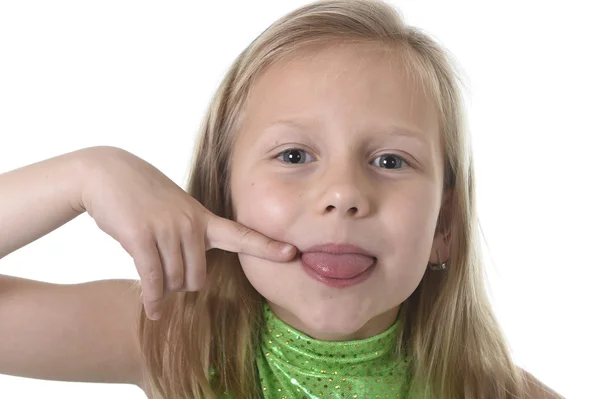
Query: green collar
point(293, 365)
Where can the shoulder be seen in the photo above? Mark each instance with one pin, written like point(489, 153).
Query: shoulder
point(537, 390)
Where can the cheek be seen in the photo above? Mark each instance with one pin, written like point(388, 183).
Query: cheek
point(414, 216)
point(409, 225)
point(266, 205)
point(271, 207)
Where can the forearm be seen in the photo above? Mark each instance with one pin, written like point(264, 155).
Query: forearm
point(38, 198)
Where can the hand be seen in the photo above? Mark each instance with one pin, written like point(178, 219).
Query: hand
point(163, 228)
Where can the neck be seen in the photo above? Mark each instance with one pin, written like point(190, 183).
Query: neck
point(374, 326)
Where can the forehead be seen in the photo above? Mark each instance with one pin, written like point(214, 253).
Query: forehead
point(349, 85)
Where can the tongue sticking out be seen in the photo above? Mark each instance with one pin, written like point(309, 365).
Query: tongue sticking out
point(342, 266)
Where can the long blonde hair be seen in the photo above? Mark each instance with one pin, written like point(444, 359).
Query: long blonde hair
point(453, 341)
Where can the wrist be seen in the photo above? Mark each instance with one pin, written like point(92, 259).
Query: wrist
point(85, 167)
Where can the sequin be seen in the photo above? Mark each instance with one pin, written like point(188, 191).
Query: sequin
point(308, 368)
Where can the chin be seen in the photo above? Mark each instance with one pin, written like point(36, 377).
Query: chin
point(334, 323)
point(328, 319)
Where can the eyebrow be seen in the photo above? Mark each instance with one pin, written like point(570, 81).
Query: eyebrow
point(392, 130)
point(295, 123)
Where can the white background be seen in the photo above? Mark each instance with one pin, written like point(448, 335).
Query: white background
point(138, 75)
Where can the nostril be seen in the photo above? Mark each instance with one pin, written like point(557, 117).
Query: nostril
point(352, 211)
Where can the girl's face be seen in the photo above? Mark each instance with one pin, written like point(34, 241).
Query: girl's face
point(338, 147)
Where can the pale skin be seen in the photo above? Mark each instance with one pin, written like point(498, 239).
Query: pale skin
point(340, 196)
point(342, 112)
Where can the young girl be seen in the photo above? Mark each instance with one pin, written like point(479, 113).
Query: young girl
point(326, 245)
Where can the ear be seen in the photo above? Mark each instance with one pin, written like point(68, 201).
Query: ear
point(441, 240)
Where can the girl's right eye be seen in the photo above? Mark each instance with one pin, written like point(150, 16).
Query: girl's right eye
point(295, 156)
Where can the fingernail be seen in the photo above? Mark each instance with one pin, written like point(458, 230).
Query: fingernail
point(287, 249)
point(155, 315)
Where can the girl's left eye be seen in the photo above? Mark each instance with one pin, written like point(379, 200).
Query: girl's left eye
point(295, 156)
point(389, 161)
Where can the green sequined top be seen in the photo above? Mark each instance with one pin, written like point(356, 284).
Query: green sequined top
point(294, 365)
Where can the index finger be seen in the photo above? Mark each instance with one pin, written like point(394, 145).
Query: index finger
point(234, 237)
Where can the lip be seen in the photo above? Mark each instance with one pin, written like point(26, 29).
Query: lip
point(333, 248)
point(338, 265)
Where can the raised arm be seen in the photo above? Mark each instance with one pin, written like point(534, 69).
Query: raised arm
point(38, 198)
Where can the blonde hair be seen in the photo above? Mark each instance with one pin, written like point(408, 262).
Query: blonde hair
point(453, 341)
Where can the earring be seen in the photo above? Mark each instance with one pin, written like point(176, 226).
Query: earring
point(439, 265)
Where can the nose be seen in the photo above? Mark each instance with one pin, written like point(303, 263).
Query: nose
point(345, 192)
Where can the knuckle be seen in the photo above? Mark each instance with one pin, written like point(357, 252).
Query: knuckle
point(174, 274)
point(153, 303)
point(153, 306)
point(153, 299)
point(273, 245)
point(164, 230)
point(153, 277)
point(175, 280)
point(244, 233)
point(189, 224)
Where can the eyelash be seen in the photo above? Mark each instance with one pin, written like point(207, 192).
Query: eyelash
point(279, 156)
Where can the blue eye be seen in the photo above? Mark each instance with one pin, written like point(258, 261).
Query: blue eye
point(295, 156)
point(389, 161)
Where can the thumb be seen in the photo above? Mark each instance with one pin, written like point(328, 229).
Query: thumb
point(234, 237)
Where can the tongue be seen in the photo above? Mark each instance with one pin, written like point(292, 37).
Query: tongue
point(337, 265)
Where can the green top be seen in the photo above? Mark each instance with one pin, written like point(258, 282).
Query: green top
point(293, 365)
